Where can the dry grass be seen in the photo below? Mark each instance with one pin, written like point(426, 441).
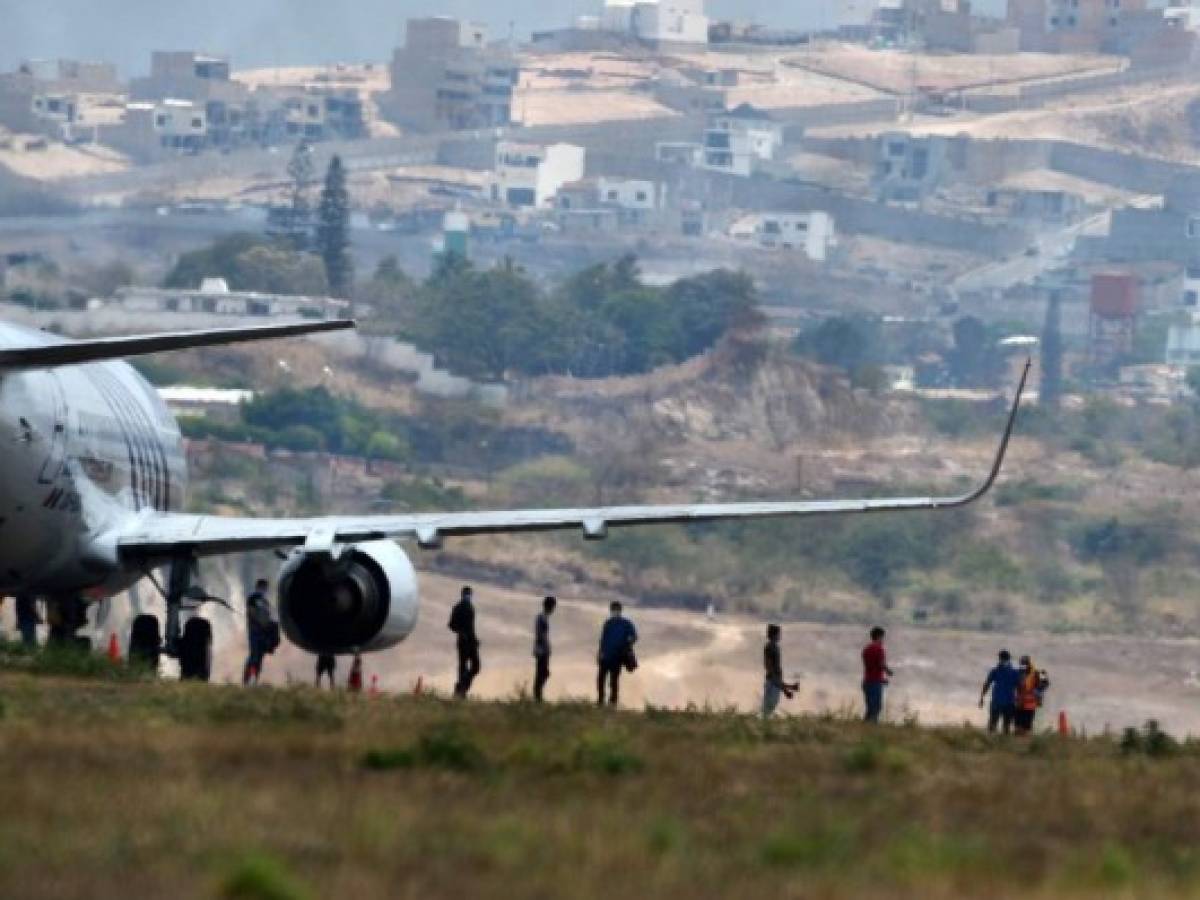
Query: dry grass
point(128, 789)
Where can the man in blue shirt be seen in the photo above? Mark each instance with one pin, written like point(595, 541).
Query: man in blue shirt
point(1002, 681)
point(616, 652)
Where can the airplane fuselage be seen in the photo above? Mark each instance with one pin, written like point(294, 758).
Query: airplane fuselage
point(83, 450)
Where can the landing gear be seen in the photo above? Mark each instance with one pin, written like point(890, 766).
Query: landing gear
point(195, 650)
point(188, 640)
point(145, 641)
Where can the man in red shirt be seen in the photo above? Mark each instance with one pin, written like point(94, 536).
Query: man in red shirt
point(875, 674)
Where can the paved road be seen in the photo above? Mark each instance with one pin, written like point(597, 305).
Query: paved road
point(1052, 250)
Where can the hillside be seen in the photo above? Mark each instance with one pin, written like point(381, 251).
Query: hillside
point(119, 789)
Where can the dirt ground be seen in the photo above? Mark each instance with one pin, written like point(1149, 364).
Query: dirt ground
point(896, 70)
point(1101, 682)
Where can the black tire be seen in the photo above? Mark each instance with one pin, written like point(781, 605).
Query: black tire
point(145, 641)
point(195, 650)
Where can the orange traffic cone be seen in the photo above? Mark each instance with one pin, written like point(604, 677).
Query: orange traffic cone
point(114, 648)
point(1063, 728)
point(418, 687)
point(374, 692)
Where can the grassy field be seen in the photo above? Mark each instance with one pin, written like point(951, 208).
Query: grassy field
point(115, 787)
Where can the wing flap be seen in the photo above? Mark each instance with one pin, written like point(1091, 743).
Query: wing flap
point(80, 352)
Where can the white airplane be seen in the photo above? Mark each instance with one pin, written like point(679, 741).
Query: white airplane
point(94, 477)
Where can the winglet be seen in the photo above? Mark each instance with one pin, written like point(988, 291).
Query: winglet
point(1002, 449)
point(74, 353)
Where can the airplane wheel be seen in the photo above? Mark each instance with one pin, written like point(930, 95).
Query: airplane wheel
point(195, 650)
point(145, 641)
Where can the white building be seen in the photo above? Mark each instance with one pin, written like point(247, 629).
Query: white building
point(679, 153)
point(1183, 343)
point(736, 141)
point(1190, 291)
point(1183, 14)
point(531, 174)
point(657, 21)
point(629, 193)
point(180, 123)
point(811, 232)
point(215, 298)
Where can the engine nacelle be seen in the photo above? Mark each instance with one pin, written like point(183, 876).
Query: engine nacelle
point(366, 600)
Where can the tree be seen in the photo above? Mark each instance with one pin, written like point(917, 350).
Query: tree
point(333, 230)
point(248, 263)
point(390, 293)
point(278, 270)
point(292, 224)
point(1052, 354)
point(849, 342)
point(976, 359)
point(219, 259)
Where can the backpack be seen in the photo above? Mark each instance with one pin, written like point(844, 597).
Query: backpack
point(271, 637)
point(1043, 685)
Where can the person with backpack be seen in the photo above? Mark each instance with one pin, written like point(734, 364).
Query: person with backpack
point(1031, 692)
point(462, 623)
point(262, 631)
point(617, 638)
point(1002, 681)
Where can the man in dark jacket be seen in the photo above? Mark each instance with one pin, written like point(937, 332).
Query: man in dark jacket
point(462, 623)
point(28, 619)
point(258, 627)
point(617, 638)
point(541, 647)
point(1002, 681)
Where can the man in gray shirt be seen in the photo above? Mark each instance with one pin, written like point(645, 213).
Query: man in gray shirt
point(773, 683)
point(541, 647)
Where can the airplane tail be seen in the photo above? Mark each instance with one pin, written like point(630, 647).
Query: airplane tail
point(80, 352)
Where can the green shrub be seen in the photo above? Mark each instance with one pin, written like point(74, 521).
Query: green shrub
point(606, 753)
point(873, 755)
point(445, 746)
point(257, 876)
point(824, 847)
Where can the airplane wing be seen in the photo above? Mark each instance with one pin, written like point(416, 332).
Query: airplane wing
point(78, 352)
point(160, 536)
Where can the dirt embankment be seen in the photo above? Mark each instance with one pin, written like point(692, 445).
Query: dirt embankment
point(745, 402)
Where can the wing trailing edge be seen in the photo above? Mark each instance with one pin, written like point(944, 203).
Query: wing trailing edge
point(161, 536)
point(81, 352)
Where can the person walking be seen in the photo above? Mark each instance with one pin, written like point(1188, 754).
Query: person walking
point(617, 638)
point(875, 674)
point(541, 647)
point(1002, 680)
point(354, 682)
point(259, 622)
point(28, 619)
point(462, 623)
point(326, 667)
point(773, 683)
point(1031, 690)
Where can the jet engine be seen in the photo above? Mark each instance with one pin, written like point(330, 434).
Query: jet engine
point(364, 598)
